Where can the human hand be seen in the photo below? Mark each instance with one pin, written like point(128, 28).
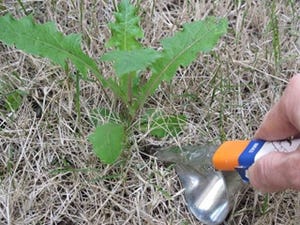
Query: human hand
point(279, 171)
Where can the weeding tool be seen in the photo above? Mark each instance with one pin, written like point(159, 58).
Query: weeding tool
point(208, 173)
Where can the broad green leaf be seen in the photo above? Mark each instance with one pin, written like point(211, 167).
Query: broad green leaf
point(126, 62)
point(46, 41)
point(181, 50)
point(107, 141)
point(125, 31)
point(162, 125)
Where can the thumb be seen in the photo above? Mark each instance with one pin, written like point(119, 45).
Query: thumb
point(283, 120)
point(276, 171)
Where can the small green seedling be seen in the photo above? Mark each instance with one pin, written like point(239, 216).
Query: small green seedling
point(130, 60)
point(10, 94)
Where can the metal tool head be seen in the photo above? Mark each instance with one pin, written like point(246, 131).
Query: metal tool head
point(206, 196)
point(206, 190)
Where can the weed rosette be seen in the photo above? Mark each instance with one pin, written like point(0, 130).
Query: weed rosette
point(81, 115)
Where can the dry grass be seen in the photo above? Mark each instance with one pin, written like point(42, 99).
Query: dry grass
point(48, 172)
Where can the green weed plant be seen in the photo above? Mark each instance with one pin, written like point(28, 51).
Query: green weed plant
point(130, 60)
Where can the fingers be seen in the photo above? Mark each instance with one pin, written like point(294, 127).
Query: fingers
point(279, 171)
point(283, 120)
point(276, 125)
point(276, 172)
point(262, 178)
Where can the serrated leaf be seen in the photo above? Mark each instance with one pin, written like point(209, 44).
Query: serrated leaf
point(46, 41)
point(125, 31)
point(182, 49)
point(126, 62)
point(107, 141)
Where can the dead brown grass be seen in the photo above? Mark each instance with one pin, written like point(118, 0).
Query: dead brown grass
point(48, 172)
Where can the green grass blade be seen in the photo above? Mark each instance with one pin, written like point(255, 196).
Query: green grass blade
point(46, 41)
point(276, 38)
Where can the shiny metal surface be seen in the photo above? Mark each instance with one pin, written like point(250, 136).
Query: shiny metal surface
point(206, 196)
point(208, 193)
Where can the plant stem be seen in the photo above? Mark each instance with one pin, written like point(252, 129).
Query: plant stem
point(22, 6)
point(81, 15)
point(131, 110)
point(77, 96)
point(130, 86)
point(275, 40)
